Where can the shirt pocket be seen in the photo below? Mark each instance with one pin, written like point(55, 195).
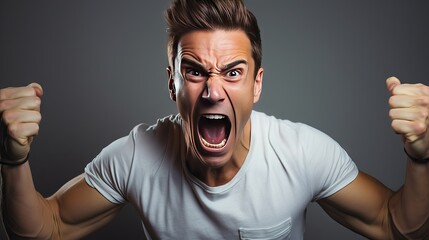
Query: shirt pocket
point(278, 232)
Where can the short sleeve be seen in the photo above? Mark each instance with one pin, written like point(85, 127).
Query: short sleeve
point(329, 166)
point(108, 172)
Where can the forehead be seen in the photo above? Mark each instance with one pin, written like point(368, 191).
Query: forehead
point(215, 47)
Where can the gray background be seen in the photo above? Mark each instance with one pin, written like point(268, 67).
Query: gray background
point(102, 66)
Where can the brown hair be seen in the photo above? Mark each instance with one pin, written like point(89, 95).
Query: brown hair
point(185, 16)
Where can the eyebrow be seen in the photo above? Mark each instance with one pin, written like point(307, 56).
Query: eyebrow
point(200, 67)
point(233, 64)
point(193, 64)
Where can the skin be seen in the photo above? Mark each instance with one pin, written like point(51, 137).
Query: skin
point(77, 209)
point(214, 75)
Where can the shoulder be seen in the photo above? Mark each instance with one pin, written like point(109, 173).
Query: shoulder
point(313, 155)
point(284, 129)
point(136, 153)
point(143, 138)
point(297, 141)
point(167, 125)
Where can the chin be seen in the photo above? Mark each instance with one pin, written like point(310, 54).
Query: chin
point(215, 161)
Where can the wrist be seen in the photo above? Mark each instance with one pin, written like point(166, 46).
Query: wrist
point(417, 160)
point(8, 162)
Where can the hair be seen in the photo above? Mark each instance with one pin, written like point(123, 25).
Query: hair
point(185, 16)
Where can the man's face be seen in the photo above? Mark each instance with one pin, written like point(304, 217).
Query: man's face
point(215, 88)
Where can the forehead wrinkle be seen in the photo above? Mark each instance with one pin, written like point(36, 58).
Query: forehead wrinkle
point(215, 53)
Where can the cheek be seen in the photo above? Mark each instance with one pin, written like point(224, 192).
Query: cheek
point(242, 102)
point(183, 105)
point(242, 97)
point(187, 97)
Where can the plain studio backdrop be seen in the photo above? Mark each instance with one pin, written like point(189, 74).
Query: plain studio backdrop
point(102, 65)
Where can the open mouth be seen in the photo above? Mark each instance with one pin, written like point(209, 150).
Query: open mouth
point(214, 130)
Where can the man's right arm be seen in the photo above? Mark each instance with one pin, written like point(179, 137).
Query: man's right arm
point(73, 211)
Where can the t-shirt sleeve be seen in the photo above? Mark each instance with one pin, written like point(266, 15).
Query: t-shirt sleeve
point(329, 166)
point(108, 172)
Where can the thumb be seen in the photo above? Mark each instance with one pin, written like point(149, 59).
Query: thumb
point(37, 88)
point(391, 83)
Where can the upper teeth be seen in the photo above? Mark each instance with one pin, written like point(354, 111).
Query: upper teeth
point(214, 116)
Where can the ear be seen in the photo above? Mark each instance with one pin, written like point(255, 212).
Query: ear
point(257, 89)
point(171, 87)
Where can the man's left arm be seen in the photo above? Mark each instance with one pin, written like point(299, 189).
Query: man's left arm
point(371, 209)
point(409, 207)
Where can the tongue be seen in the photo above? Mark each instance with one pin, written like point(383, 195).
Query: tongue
point(213, 131)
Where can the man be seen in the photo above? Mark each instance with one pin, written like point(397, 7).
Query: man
point(218, 169)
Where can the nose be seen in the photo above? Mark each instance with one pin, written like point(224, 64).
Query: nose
point(213, 91)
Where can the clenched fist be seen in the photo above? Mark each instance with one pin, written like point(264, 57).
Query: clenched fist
point(409, 111)
point(20, 117)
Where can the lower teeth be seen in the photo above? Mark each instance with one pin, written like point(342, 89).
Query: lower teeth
point(214, 145)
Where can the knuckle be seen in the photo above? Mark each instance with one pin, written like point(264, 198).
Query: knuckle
point(425, 89)
point(3, 93)
point(39, 118)
point(391, 101)
point(4, 104)
point(419, 128)
point(8, 116)
point(392, 113)
point(423, 101)
point(13, 128)
point(36, 128)
point(36, 101)
point(424, 114)
point(394, 124)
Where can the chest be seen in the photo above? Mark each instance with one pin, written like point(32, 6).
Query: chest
point(262, 200)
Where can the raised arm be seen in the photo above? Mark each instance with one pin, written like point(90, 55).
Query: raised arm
point(410, 117)
point(373, 210)
point(74, 211)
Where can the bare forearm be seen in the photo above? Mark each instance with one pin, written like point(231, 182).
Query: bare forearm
point(409, 207)
point(26, 212)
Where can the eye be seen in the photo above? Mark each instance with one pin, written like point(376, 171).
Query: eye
point(233, 75)
point(196, 75)
point(193, 72)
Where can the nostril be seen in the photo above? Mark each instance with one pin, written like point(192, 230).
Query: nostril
point(213, 90)
point(206, 93)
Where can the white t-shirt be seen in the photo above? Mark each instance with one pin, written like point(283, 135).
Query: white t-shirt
point(288, 166)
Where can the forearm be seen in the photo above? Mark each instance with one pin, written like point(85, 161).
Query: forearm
point(409, 207)
point(26, 212)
